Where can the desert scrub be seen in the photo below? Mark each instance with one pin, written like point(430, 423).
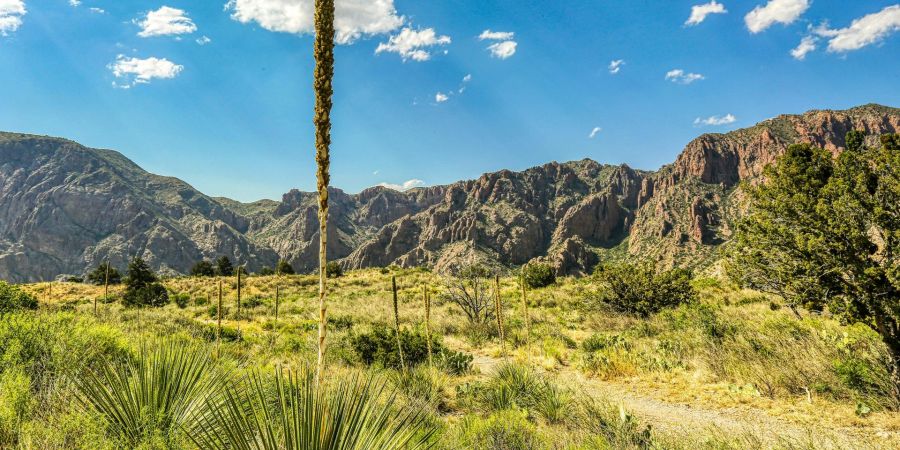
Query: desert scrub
point(508, 429)
point(12, 298)
point(379, 346)
point(639, 288)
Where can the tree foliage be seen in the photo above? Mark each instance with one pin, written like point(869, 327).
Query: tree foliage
point(639, 288)
point(12, 298)
point(334, 270)
point(284, 268)
point(469, 288)
point(98, 275)
point(537, 275)
point(143, 287)
point(224, 268)
point(203, 269)
point(824, 231)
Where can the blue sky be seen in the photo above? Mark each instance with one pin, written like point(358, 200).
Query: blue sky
point(219, 93)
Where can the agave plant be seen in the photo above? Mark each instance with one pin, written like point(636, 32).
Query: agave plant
point(154, 396)
point(291, 411)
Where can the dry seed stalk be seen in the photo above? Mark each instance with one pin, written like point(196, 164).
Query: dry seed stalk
point(397, 322)
point(427, 299)
point(499, 311)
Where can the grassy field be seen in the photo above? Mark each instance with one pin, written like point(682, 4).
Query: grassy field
point(734, 370)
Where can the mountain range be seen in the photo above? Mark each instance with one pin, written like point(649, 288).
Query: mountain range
point(65, 208)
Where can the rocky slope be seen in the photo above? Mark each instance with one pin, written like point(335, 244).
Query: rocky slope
point(64, 208)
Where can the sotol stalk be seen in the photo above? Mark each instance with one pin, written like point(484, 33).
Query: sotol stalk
point(323, 51)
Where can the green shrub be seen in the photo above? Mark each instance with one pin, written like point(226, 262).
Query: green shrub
point(182, 300)
point(508, 429)
point(538, 275)
point(640, 288)
point(12, 298)
point(15, 403)
point(340, 322)
point(380, 346)
point(98, 277)
point(285, 268)
point(203, 269)
point(597, 342)
point(453, 363)
point(334, 270)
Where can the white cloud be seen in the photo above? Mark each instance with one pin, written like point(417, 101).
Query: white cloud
point(413, 44)
point(699, 12)
point(716, 120)
point(496, 35)
point(467, 78)
point(807, 44)
point(75, 2)
point(681, 77)
point(166, 21)
point(353, 18)
point(775, 11)
point(203, 40)
point(616, 65)
point(405, 186)
point(11, 12)
point(503, 49)
point(97, 10)
point(595, 132)
point(141, 71)
point(864, 31)
point(441, 98)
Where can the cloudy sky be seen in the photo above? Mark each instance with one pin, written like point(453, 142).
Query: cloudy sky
point(219, 92)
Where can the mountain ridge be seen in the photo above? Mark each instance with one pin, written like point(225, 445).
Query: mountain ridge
point(65, 207)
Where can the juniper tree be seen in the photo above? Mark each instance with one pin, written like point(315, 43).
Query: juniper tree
point(824, 231)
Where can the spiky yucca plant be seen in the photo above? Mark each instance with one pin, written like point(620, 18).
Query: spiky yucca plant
point(323, 51)
point(292, 411)
point(154, 396)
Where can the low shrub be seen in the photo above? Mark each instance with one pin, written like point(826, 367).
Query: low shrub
point(380, 346)
point(12, 298)
point(182, 300)
point(538, 275)
point(334, 270)
point(508, 429)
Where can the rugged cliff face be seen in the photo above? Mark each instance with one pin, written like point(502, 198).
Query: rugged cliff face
point(65, 208)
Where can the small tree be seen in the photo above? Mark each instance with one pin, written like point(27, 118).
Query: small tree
point(469, 289)
point(334, 270)
point(265, 271)
point(284, 268)
point(143, 287)
point(12, 298)
point(639, 288)
point(538, 275)
point(203, 269)
point(97, 276)
point(224, 268)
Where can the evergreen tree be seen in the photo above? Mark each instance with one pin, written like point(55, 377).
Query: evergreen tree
point(142, 286)
point(98, 276)
point(224, 268)
point(283, 268)
point(825, 232)
point(203, 269)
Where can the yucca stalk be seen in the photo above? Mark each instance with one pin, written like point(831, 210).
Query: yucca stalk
point(219, 320)
point(397, 322)
point(293, 411)
point(427, 300)
point(105, 288)
point(239, 291)
point(525, 310)
point(156, 395)
point(277, 292)
point(323, 51)
point(499, 308)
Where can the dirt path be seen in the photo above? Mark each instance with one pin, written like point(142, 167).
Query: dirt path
point(671, 417)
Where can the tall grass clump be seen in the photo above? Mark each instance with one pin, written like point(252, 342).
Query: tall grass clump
point(291, 411)
point(154, 397)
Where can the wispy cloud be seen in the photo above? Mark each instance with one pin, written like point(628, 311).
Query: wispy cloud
point(203, 40)
point(699, 12)
point(715, 120)
point(681, 77)
point(594, 132)
point(166, 21)
point(864, 31)
point(441, 98)
point(505, 46)
point(807, 45)
point(616, 65)
point(413, 44)
point(405, 186)
point(775, 11)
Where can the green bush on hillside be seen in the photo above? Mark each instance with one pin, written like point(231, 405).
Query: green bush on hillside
point(12, 298)
point(380, 346)
point(334, 270)
point(538, 275)
point(640, 288)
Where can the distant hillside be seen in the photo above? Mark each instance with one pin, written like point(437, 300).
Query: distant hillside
point(65, 208)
